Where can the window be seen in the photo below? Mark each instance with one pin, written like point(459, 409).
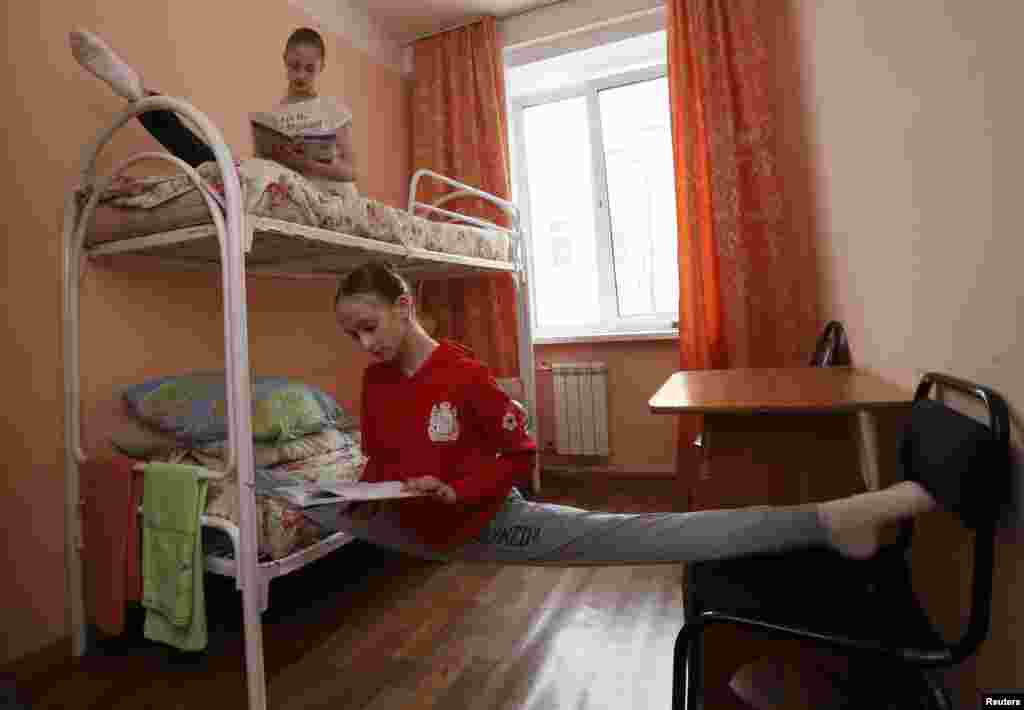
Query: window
point(594, 175)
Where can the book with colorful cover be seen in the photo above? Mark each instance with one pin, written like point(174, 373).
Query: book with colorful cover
point(294, 128)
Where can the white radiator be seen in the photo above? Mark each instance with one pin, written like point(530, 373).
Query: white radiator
point(581, 408)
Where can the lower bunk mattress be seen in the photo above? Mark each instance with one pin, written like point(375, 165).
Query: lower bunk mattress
point(135, 207)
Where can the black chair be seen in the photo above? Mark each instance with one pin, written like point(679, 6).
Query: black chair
point(867, 609)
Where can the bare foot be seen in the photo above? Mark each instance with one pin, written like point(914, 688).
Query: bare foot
point(854, 524)
point(99, 59)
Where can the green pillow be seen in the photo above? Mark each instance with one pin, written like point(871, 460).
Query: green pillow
point(193, 408)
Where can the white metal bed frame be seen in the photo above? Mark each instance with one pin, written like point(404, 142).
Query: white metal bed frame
point(235, 231)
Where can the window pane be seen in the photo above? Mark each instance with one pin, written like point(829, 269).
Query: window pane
point(559, 172)
point(641, 197)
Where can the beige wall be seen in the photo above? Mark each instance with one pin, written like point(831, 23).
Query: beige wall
point(915, 112)
point(225, 58)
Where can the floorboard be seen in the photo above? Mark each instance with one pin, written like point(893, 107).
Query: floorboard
point(366, 629)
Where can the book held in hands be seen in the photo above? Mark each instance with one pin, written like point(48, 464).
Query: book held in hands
point(310, 494)
point(298, 127)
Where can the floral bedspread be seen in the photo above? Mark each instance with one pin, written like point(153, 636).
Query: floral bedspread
point(272, 190)
point(282, 528)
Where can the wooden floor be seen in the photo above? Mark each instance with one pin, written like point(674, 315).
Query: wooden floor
point(369, 630)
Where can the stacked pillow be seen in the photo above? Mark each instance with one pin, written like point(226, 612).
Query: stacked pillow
point(300, 433)
point(193, 408)
point(190, 412)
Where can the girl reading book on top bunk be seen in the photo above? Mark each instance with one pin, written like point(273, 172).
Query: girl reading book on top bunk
point(307, 132)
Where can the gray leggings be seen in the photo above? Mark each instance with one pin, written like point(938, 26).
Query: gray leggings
point(527, 533)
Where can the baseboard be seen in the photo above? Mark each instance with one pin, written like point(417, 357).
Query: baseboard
point(610, 470)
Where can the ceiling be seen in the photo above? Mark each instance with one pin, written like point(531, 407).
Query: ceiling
point(405, 20)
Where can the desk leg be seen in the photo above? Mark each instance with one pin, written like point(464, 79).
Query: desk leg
point(866, 435)
point(704, 442)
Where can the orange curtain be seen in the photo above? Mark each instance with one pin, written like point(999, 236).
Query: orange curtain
point(747, 280)
point(748, 283)
point(460, 131)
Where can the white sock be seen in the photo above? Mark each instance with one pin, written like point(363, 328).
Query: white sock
point(99, 59)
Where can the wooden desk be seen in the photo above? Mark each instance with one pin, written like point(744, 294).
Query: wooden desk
point(776, 436)
point(820, 431)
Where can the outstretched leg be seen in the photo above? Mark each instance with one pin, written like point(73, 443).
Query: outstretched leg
point(529, 533)
point(99, 59)
point(175, 136)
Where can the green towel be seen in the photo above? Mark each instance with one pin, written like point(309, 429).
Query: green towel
point(172, 555)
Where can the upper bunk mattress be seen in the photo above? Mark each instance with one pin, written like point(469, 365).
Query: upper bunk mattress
point(135, 207)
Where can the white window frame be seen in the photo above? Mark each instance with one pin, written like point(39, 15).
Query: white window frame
point(611, 327)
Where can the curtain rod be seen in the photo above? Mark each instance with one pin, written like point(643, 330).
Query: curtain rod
point(519, 45)
point(428, 35)
point(592, 27)
point(476, 19)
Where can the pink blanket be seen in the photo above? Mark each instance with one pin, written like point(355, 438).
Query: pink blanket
point(111, 494)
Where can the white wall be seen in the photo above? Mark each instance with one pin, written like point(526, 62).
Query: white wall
point(355, 25)
point(914, 108)
point(915, 111)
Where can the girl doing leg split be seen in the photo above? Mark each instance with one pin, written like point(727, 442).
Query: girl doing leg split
point(434, 417)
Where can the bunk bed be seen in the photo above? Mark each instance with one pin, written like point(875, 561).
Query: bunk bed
point(237, 241)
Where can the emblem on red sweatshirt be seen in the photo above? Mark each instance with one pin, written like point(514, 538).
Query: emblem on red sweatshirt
point(511, 420)
point(444, 422)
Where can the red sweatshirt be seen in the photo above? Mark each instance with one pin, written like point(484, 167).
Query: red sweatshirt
point(452, 421)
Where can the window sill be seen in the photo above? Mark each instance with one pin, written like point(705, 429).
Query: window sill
point(608, 337)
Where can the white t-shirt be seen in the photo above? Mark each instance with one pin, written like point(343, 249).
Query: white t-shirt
point(317, 114)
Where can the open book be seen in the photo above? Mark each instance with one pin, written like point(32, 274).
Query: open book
point(270, 130)
point(309, 494)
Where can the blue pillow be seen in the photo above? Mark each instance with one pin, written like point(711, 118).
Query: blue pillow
point(193, 407)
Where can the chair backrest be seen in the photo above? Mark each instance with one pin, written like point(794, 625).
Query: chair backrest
point(832, 347)
point(965, 464)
